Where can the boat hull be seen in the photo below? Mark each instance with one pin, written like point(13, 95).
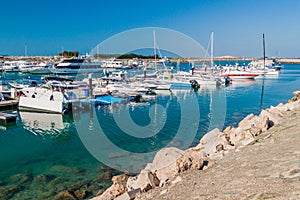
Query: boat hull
point(28, 103)
point(42, 100)
point(240, 75)
point(75, 71)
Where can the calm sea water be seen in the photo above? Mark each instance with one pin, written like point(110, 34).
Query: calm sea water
point(46, 153)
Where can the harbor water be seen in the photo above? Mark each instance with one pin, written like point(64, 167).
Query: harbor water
point(44, 154)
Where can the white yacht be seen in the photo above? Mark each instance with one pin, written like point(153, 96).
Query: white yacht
point(41, 68)
point(76, 65)
point(24, 66)
point(43, 100)
point(113, 63)
point(10, 66)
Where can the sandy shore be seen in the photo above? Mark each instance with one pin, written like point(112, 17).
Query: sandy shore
point(268, 169)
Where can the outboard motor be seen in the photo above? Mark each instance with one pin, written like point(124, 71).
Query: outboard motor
point(194, 84)
point(227, 80)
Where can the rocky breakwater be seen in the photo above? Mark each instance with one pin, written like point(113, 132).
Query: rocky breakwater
point(170, 164)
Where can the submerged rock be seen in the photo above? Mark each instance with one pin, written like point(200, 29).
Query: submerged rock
point(2, 183)
point(7, 192)
point(20, 178)
point(78, 184)
point(66, 169)
point(81, 194)
point(58, 180)
point(43, 178)
point(106, 176)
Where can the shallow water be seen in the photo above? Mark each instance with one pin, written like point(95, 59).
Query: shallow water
point(44, 154)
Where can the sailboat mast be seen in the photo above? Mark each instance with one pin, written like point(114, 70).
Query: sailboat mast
point(212, 50)
point(25, 50)
point(264, 50)
point(154, 48)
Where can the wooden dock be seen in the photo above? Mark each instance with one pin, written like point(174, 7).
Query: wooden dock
point(9, 104)
point(7, 118)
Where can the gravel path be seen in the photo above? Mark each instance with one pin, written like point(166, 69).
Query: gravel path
point(269, 169)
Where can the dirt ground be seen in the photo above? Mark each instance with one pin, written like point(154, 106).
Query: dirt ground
point(268, 169)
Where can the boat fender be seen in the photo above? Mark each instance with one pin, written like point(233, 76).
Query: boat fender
point(19, 93)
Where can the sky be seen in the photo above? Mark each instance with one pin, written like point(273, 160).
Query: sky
point(37, 27)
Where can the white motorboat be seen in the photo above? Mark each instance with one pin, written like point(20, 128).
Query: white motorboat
point(146, 75)
point(112, 63)
point(24, 66)
point(58, 83)
point(75, 66)
point(41, 68)
point(115, 76)
point(43, 100)
point(10, 66)
point(17, 85)
point(235, 74)
point(158, 84)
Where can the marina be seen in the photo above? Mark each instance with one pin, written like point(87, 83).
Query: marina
point(55, 93)
point(149, 100)
point(58, 135)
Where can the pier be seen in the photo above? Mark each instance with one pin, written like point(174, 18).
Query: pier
point(7, 118)
point(9, 104)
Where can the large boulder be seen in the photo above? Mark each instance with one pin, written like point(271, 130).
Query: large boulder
point(247, 120)
point(211, 140)
point(273, 118)
point(164, 163)
point(120, 179)
point(64, 195)
point(292, 105)
point(276, 111)
point(261, 122)
point(145, 181)
point(112, 192)
point(296, 97)
point(281, 107)
point(189, 161)
point(116, 189)
point(227, 133)
point(129, 195)
point(243, 133)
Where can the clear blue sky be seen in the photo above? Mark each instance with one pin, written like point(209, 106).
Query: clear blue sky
point(45, 26)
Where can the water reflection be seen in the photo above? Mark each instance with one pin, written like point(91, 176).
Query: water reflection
point(127, 136)
point(53, 126)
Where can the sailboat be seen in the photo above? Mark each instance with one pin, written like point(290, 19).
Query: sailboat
point(265, 67)
point(206, 72)
point(194, 78)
